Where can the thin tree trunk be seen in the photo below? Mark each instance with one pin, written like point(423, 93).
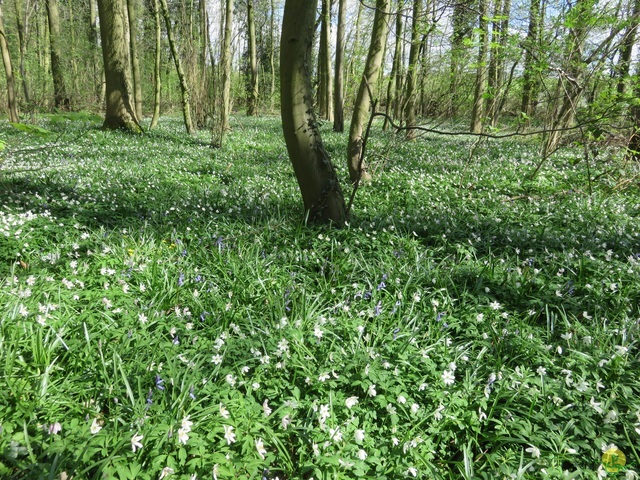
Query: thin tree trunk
point(119, 109)
point(461, 31)
point(412, 76)
point(157, 84)
point(135, 63)
point(272, 55)
point(252, 107)
point(184, 87)
point(355, 162)
point(8, 69)
point(60, 95)
point(497, 54)
point(394, 77)
point(338, 104)
point(325, 103)
point(319, 185)
point(225, 65)
point(22, 48)
point(481, 75)
point(626, 47)
point(529, 81)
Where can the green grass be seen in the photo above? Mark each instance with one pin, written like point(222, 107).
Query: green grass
point(469, 322)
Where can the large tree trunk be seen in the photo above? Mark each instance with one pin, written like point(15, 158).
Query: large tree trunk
point(6, 58)
point(252, 104)
point(119, 109)
point(135, 63)
point(157, 85)
point(357, 167)
point(325, 102)
point(529, 81)
point(412, 77)
point(60, 95)
point(184, 87)
point(22, 49)
point(481, 76)
point(338, 104)
point(319, 185)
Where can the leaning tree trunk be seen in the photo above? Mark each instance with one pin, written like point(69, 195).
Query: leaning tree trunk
point(157, 85)
point(60, 96)
point(6, 58)
point(115, 53)
point(338, 90)
point(319, 185)
point(184, 87)
point(135, 63)
point(252, 107)
point(357, 167)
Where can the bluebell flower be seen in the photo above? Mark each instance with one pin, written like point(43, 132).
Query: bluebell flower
point(181, 279)
point(159, 383)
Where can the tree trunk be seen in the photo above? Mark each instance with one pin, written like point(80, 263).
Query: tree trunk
point(60, 95)
point(252, 104)
point(357, 167)
point(461, 31)
point(135, 63)
point(499, 38)
point(325, 102)
point(272, 55)
point(529, 81)
point(22, 48)
point(626, 47)
point(634, 140)
point(184, 87)
point(157, 84)
point(481, 76)
point(6, 59)
point(225, 64)
point(395, 78)
point(319, 185)
point(119, 108)
point(338, 104)
point(412, 76)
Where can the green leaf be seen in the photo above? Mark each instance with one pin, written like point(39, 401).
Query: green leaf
point(33, 130)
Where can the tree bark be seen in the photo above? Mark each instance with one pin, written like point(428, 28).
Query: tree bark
point(222, 124)
point(8, 69)
point(395, 78)
point(22, 48)
point(338, 104)
point(157, 84)
point(499, 38)
point(60, 95)
point(319, 185)
point(530, 46)
point(184, 87)
point(325, 102)
point(626, 47)
point(412, 74)
point(461, 31)
point(252, 104)
point(115, 52)
point(357, 167)
point(481, 75)
point(135, 63)
point(272, 55)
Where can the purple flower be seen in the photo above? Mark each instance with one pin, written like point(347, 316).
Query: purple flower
point(181, 279)
point(159, 383)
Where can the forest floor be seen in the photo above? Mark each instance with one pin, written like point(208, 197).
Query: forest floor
point(167, 314)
